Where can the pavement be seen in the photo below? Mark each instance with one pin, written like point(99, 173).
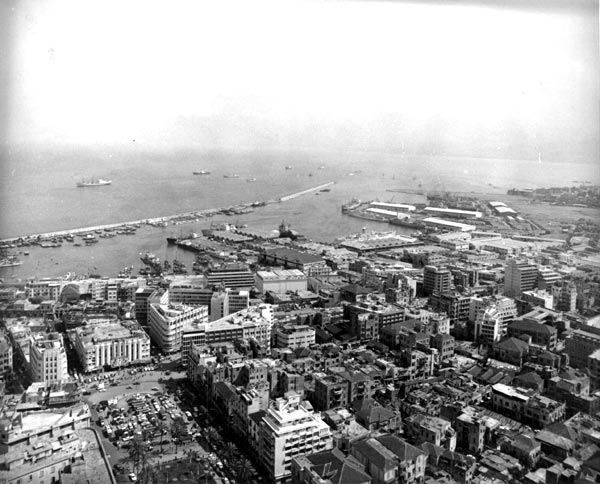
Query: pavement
point(129, 385)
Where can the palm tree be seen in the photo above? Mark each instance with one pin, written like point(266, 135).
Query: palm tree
point(137, 453)
point(178, 428)
point(161, 426)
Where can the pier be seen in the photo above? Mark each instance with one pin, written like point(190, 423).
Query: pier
point(156, 221)
point(304, 192)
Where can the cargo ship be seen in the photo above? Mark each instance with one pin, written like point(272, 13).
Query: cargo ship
point(93, 183)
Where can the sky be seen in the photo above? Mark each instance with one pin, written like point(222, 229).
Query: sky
point(427, 77)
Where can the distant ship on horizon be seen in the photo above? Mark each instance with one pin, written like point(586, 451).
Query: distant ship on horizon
point(234, 175)
point(99, 182)
point(202, 172)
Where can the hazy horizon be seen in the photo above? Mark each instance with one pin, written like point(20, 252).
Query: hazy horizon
point(468, 78)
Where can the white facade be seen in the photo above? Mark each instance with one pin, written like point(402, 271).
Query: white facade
point(294, 336)
point(291, 428)
point(281, 281)
point(46, 289)
point(47, 358)
point(167, 322)
point(111, 344)
point(491, 316)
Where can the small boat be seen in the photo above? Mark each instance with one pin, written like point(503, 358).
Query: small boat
point(234, 175)
point(288, 167)
point(93, 183)
point(202, 172)
point(251, 180)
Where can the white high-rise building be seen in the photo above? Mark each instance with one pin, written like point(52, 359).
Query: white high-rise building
point(291, 428)
point(47, 358)
point(491, 316)
point(167, 322)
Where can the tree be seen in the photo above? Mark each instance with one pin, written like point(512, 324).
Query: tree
point(178, 429)
point(161, 427)
point(137, 453)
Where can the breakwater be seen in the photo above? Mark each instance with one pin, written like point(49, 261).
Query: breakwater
point(162, 221)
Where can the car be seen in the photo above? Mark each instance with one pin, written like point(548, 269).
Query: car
point(133, 477)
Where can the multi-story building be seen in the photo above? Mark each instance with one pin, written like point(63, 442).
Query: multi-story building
point(45, 289)
point(526, 405)
point(389, 459)
point(309, 469)
point(281, 281)
point(580, 345)
point(519, 276)
point(6, 356)
point(421, 428)
point(444, 344)
point(17, 428)
point(386, 314)
point(233, 276)
point(538, 297)
point(491, 316)
point(47, 358)
point(288, 429)
point(541, 334)
point(565, 296)
point(167, 322)
point(190, 293)
point(309, 264)
point(253, 323)
point(141, 303)
point(113, 344)
point(224, 303)
point(547, 277)
point(331, 391)
point(455, 305)
point(436, 280)
point(365, 326)
point(293, 336)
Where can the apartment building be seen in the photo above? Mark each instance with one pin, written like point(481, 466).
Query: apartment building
point(290, 428)
point(47, 358)
point(293, 336)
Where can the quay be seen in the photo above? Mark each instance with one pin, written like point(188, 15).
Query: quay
point(156, 221)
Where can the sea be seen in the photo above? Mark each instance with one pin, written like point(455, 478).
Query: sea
point(38, 194)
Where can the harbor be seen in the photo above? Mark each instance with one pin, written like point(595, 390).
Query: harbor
point(92, 233)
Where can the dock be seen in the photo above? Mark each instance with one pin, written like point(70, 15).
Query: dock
point(156, 221)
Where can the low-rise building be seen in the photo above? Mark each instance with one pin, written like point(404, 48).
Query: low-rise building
point(526, 405)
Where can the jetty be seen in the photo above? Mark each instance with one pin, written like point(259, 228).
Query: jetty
point(155, 221)
point(304, 192)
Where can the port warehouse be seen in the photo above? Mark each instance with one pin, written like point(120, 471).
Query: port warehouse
point(501, 209)
point(453, 212)
point(441, 223)
point(394, 206)
point(400, 209)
